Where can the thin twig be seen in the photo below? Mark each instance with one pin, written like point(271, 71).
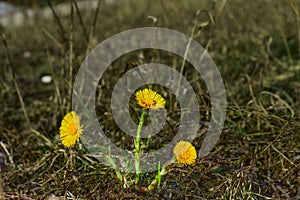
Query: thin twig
point(282, 155)
point(51, 37)
point(7, 153)
point(19, 93)
point(93, 27)
point(185, 55)
point(14, 81)
point(281, 132)
point(62, 30)
point(81, 22)
point(71, 54)
point(57, 90)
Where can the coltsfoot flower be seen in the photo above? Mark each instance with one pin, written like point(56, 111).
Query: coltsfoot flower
point(149, 99)
point(70, 129)
point(185, 153)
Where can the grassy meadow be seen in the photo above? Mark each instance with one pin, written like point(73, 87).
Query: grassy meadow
point(256, 46)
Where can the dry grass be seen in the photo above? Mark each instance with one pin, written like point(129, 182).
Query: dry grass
point(256, 47)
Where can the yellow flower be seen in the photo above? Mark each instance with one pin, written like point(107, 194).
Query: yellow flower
point(70, 129)
point(185, 153)
point(148, 99)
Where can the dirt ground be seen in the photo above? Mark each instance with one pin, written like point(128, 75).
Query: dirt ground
point(256, 47)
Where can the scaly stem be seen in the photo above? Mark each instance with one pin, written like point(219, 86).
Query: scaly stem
point(138, 148)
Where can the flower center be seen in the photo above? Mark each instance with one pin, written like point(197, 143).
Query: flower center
point(149, 102)
point(186, 155)
point(72, 129)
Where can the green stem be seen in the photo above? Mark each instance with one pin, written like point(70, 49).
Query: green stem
point(138, 147)
point(118, 173)
point(163, 171)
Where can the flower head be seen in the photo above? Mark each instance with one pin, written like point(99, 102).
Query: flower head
point(70, 129)
point(185, 153)
point(148, 99)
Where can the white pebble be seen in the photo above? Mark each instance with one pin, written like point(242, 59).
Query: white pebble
point(46, 79)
